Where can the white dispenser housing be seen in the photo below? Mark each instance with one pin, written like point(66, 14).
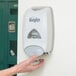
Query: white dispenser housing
point(38, 31)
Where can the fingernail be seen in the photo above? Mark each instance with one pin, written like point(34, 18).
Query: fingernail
point(41, 60)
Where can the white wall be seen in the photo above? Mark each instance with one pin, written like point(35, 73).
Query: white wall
point(62, 62)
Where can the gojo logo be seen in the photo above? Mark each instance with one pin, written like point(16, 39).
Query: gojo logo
point(32, 19)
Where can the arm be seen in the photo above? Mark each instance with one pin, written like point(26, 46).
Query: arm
point(25, 66)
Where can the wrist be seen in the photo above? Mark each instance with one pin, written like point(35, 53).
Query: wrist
point(12, 71)
point(5, 72)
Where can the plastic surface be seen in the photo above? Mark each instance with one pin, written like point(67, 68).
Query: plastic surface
point(33, 50)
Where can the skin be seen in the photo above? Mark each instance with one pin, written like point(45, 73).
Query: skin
point(25, 66)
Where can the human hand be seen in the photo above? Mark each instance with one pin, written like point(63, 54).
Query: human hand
point(27, 66)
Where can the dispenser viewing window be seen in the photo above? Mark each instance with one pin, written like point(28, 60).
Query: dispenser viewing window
point(38, 31)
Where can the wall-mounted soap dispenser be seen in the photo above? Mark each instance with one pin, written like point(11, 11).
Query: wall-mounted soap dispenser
point(38, 31)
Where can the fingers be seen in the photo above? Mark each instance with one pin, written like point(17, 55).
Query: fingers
point(26, 66)
point(31, 59)
point(38, 65)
